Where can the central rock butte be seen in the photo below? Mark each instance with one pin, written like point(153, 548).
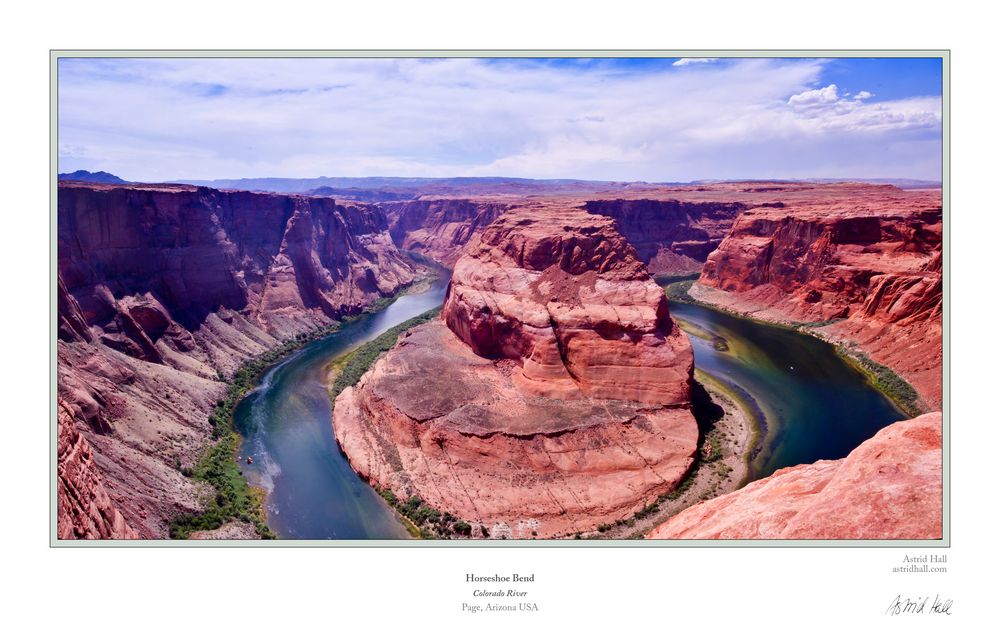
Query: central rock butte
point(552, 396)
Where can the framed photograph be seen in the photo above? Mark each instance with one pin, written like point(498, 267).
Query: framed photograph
point(625, 298)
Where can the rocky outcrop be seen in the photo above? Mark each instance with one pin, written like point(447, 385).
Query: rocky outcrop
point(869, 264)
point(164, 289)
point(890, 487)
point(552, 397)
point(86, 511)
point(563, 294)
point(671, 236)
point(440, 228)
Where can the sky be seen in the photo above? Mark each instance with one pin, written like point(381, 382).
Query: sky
point(664, 119)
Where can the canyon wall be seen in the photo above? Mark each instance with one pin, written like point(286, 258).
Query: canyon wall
point(161, 291)
point(551, 397)
point(671, 236)
point(866, 268)
point(440, 228)
point(889, 488)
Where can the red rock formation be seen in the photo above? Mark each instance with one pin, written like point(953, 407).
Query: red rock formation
point(85, 511)
point(870, 262)
point(670, 236)
point(555, 397)
point(564, 294)
point(161, 289)
point(890, 487)
point(440, 228)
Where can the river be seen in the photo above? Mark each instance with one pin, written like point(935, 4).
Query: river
point(285, 422)
point(814, 405)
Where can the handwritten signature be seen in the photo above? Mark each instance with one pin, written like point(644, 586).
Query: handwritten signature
point(919, 606)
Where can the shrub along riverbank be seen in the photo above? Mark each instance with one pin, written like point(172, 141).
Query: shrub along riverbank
point(355, 363)
point(235, 499)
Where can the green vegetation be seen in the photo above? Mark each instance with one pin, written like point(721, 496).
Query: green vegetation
point(247, 376)
point(217, 466)
point(648, 510)
point(429, 523)
point(683, 486)
point(234, 499)
point(356, 363)
point(680, 291)
point(814, 324)
point(885, 380)
point(713, 448)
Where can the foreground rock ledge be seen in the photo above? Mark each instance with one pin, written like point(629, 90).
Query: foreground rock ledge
point(553, 396)
point(888, 488)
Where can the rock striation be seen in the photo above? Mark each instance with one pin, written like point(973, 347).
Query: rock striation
point(671, 236)
point(161, 290)
point(868, 263)
point(564, 295)
point(440, 228)
point(552, 396)
point(889, 488)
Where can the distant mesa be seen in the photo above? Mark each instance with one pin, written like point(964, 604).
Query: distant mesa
point(100, 177)
point(359, 194)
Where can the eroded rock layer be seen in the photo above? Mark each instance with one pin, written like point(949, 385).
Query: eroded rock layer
point(890, 487)
point(552, 396)
point(671, 236)
point(563, 293)
point(440, 228)
point(867, 262)
point(162, 289)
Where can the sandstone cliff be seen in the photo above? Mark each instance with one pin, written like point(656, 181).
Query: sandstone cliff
point(868, 262)
point(890, 487)
point(440, 228)
point(161, 289)
point(552, 397)
point(671, 236)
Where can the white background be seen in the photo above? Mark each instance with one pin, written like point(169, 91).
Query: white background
point(660, 591)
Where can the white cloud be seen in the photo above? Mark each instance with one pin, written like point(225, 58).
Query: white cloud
point(826, 95)
point(161, 119)
point(687, 61)
point(828, 110)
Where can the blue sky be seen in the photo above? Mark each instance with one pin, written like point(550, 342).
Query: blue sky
point(617, 119)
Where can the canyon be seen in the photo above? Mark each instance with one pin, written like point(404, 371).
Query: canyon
point(162, 292)
point(552, 396)
point(864, 268)
point(889, 488)
point(553, 393)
